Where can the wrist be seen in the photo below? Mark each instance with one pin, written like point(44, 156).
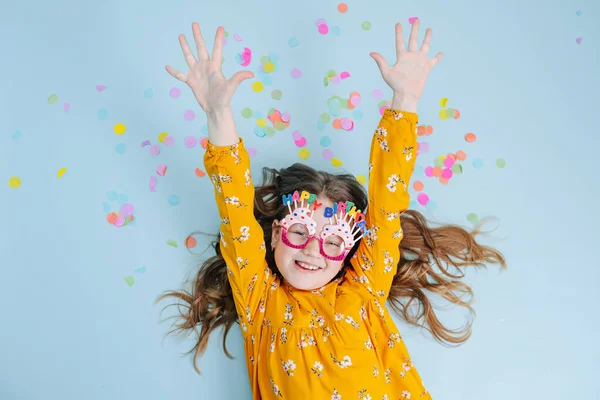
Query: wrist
point(404, 103)
point(218, 112)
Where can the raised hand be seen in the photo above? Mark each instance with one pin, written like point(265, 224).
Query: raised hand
point(205, 77)
point(408, 76)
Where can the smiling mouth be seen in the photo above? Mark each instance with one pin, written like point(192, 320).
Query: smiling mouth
point(306, 266)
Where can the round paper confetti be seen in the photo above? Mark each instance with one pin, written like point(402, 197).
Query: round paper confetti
point(199, 173)
point(323, 29)
point(422, 198)
point(174, 200)
point(336, 162)
point(127, 210)
point(366, 25)
point(119, 129)
point(169, 141)
point(293, 42)
point(269, 67)
point(111, 218)
point(304, 153)
point(148, 93)
point(14, 182)
point(327, 154)
point(175, 93)
point(300, 142)
point(190, 242)
point(325, 141)
point(418, 186)
point(190, 142)
point(473, 218)
point(161, 170)
point(130, 280)
point(361, 179)
point(377, 94)
point(121, 148)
point(154, 150)
point(342, 7)
point(276, 95)
point(296, 73)
point(189, 115)
point(61, 172)
point(470, 137)
point(246, 113)
point(53, 99)
point(477, 163)
point(257, 86)
point(102, 114)
point(501, 163)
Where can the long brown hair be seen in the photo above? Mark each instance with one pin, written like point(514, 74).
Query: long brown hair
point(432, 260)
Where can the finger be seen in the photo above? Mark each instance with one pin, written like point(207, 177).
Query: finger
point(399, 39)
point(426, 41)
point(240, 76)
point(437, 59)
point(381, 63)
point(189, 57)
point(200, 45)
point(176, 74)
point(414, 36)
point(218, 46)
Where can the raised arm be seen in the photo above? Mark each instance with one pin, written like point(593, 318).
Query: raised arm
point(227, 164)
point(392, 160)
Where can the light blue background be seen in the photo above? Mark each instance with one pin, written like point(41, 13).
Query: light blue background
point(71, 328)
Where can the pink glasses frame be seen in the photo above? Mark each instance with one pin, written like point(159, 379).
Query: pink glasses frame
point(285, 240)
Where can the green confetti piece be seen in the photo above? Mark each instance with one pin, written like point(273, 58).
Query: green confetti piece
point(501, 163)
point(366, 25)
point(53, 99)
point(172, 242)
point(278, 125)
point(130, 280)
point(276, 94)
point(325, 118)
point(473, 218)
point(457, 169)
point(246, 112)
point(270, 131)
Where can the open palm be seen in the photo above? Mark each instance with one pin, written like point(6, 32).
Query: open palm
point(408, 76)
point(205, 77)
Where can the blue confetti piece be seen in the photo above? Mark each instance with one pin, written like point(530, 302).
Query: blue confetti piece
point(431, 205)
point(141, 269)
point(325, 141)
point(148, 93)
point(274, 58)
point(335, 111)
point(260, 132)
point(105, 207)
point(419, 171)
point(335, 30)
point(123, 199)
point(293, 42)
point(258, 115)
point(321, 126)
point(121, 148)
point(102, 114)
point(578, 13)
point(267, 80)
point(238, 59)
point(412, 204)
point(477, 163)
point(17, 134)
point(174, 200)
point(112, 195)
point(357, 115)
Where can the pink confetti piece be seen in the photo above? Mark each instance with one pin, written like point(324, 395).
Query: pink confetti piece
point(320, 21)
point(377, 94)
point(169, 141)
point(579, 40)
point(424, 147)
point(251, 151)
point(153, 182)
point(429, 171)
point(189, 115)
point(300, 142)
point(175, 93)
point(296, 73)
point(161, 169)
point(336, 79)
point(120, 221)
point(412, 19)
point(237, 37)
point(448, 162)
point(127, 210)
point(145, 143)
point(296, 135)
point(66, 107)
point(345, 75)
point(100, 88)
point(347, 124)
point(190, 142)
point(285, 117)
point(246, 56)
point(327, 154)
point(423, 199)
point(154, 150)
point(355, 100)
point(323, 29)
point(447, 173)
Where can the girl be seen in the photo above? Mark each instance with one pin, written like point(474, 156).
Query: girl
point(305, 269)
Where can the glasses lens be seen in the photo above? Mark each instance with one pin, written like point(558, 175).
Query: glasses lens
point(297, 234)
point(333, 245)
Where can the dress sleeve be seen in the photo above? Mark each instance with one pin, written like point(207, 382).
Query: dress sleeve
point(241, 236)
point(391, 163)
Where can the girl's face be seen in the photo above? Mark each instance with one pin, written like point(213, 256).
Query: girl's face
point(287, 258)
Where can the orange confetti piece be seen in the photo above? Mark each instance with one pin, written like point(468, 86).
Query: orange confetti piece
point(470, 137)
point(200, 173)
point(418, 186)
point(343, 8)
point(190, 242)
point(111, 218)
point(461, 155)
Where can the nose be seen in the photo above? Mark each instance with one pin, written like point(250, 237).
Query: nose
point(313, 247)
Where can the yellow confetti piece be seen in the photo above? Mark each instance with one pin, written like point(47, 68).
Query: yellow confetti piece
point(261, 122)
point(14, 182)
point(336, 162)
point(304, 153)
point(257, 87)
point(119, 129)
point(443, 102)
point(361, 179)
point(61, 172)
point(269, 67)
point(444, 114)
point(162, 136)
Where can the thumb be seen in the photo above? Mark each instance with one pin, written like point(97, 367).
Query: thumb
point(241, 76)
point(381, 63)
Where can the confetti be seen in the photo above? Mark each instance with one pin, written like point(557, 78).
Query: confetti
point(172, 242)
point(251, 151)
point(66, 107)
point(102, 114)
point(121, 148)
point(199, 173)
point(412, 19)
point(53, 99)
point(189, 115)
point(17, 135)
point(579, 40)
point(418, 186)
point(190, 242)
point(190, 142)
point(336, 162)
point(473, 218)
point(327, 154)
point(293, 42)
point(276, 95)
point(246, 112)
point(153, 182)
point(14, 182)
point(174, 200)
point(361, 179)
point(161, 169)
point(501, 163)
point(119, 129)
point(148, 93)
point(154, 150)
point(304, 153)
point(257, 86)
point(342, 8)
point(478, 163)
point(246, 57)
point(366, 25)
point(169, 141)
point(325, 141)
point(296, 73)
point(100, 88)
point(130, 280)
point(61, 172)
point(422, 198)
point(470, 137)
point(237, 37)
point(175, 93)
point(323, 29)
point(141, 269)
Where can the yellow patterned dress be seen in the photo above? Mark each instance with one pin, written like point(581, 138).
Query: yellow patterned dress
point(339, 341)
